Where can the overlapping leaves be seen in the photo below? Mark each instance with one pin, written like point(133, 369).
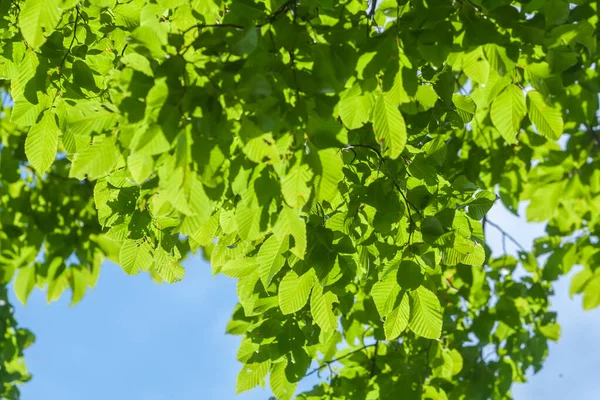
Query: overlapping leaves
point(338, 159)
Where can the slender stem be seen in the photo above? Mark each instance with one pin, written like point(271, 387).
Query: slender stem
point(72, 39)
point(506, 235)
point(327, 363)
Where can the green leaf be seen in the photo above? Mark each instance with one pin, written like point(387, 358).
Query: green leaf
point(294, 186)
point(247, 42)
point(384, 294)
point(465, 107)
point(476, 65)
point(440, 362)
point(355, 107)
point(79, 280)
point(41, 142)
point(24, 283)
point(270, 258)
point(547, 120)
point(551, 331)
point(149, 141)
point(579, 281)
point(409, 275)
point(248, 221)
point(591, 294)
point(294, 290)
point(37, 20)
point(95, 161)
point(389, 126)
point(280, 385)
point(508, 109)
point(290, 223)
point(326, 183)
point(397, 320)
point(239, 267)
point(251, 375)
point(135, 256)
point(321, 308)
point(425, 313)
point(167, 266)
point(90, 117)
point(138, 62)
point(205, 234)
point(140, 166)
point(103, 3)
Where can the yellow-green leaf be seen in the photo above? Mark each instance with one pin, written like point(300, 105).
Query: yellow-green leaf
point(251, 376)
point(547, 120)
point(294, 290)
point(41, 142)
point(321, 308)
point(397, 320)
point(270, 258)
point(37, 20)
point(465, 107)
point(135, 256)
point(508, 109)
point(389, 126)
point(425, 313)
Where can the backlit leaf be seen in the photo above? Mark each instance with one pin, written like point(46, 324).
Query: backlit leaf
point(508, 109)
point(389, 126)
point(294, 291)
point(425, 313)
point(397, 320)
point(41, 142)
point(547, 120)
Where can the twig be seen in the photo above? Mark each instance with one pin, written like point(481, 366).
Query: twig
point(368, 146)
point(327, 363)
point(506, 235)
point(373, 9)
point(72, 40)
point(270, 19)
point(396, 185)
point(281, 10)
point(410, 218)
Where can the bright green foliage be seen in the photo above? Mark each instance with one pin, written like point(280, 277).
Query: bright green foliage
point(508, 110)
point(337, 158)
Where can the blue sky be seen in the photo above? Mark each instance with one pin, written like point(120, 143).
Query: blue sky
point(133, 339)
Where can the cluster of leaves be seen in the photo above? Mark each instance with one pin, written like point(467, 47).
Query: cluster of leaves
point(337, 158)
point(13, 341)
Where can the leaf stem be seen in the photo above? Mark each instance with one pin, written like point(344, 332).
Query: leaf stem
point(72, 39)
point(506, 235)
point(327, 363)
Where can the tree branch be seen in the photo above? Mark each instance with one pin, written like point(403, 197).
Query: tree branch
point(506, 235)
point(72, 39)
point(270, 19)
point(327, 363)
point(396, 185)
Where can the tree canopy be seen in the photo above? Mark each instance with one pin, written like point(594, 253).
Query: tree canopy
point(337, 158)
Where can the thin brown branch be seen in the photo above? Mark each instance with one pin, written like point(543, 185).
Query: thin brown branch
point(327, 363)
point(407, 202)
point(506, 235)
point(72, 39)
